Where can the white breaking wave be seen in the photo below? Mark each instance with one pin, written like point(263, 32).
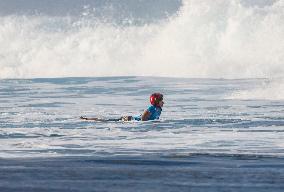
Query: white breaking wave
point(219, 39)
point(269, 90)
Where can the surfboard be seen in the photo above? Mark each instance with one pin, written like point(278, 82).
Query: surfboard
point(100, 119)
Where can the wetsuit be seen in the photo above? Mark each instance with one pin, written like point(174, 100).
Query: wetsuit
point(154, 111)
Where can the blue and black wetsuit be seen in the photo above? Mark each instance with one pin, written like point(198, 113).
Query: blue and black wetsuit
point(154, 111)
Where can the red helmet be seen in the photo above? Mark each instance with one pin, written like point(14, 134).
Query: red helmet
point(155, 98)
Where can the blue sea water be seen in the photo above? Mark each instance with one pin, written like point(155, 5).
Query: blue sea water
point(219, 65)
point(40, 117)
point(208, 137)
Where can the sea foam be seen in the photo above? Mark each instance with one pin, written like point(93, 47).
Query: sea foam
point(220, 39)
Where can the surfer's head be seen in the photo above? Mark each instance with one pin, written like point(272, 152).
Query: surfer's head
point(156, 99)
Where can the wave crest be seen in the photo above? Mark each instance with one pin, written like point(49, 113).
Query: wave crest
point(221, 39)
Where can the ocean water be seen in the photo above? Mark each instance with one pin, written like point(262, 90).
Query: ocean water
point(208, 138)
point(219, 65)
point(40, 117)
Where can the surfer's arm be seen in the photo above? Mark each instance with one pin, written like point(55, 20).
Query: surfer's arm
point(145, 116)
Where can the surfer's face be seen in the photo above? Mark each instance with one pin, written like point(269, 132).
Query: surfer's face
point(161, 103)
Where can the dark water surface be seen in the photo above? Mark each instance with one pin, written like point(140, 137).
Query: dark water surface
point(172, 173)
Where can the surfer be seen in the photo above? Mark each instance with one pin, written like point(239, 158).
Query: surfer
point(153, 112)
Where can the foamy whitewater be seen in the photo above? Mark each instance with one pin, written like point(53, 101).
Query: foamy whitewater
point(219, 65)
point(202, 39)
point(40, 117)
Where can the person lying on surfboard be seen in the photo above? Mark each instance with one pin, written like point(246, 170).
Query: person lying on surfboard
point(152, 113)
